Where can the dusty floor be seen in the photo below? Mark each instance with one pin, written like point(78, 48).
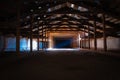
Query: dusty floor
point(61, 66)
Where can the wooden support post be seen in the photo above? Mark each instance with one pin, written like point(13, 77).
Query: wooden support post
point(84, 39)
point(31, 34)
point(42, 38)
point(45, 42)
point(88, 37)
point(81, 43)
point(18, 41)
point(38, 43)
point(38, 38)
point(45, 34)
point(18, 30)
point(4, 43)
point(104, 33)
point(49, 40)
point(46, 37)
point(78, 40)
point(95, 39)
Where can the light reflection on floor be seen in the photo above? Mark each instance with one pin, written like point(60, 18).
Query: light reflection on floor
point(63, 49)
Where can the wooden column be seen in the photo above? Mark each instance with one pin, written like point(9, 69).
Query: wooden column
point(79, 40)
point(18, 30)
point(31, 34)
point(46, 37)
point(81, 43)
point(42, 38)
point(84, 39)
point(88, 37)
point(18, 41)
point(45, 34)
point(104, 33)
point(95, 39)
point(4, 43)
point(38, 38)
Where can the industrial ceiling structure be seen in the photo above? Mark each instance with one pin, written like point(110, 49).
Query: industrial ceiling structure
point(51, 15)
point(36, 18)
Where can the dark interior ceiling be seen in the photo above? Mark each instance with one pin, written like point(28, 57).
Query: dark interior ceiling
point(54, 14)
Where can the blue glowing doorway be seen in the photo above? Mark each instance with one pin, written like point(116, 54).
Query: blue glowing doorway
point(63, 42)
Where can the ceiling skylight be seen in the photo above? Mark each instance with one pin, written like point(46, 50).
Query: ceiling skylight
point(72, 5)
point(82, 9)
point(39, 7)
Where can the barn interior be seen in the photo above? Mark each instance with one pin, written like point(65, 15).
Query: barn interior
point(60, 39)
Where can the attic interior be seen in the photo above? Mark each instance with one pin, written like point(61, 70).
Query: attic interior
point(70, 39)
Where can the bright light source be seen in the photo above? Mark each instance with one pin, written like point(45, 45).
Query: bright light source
point(72, 5)
point(70, 14)
point(49, 10)
point(34, 44)
point(79, 38)
point(38, 18)
point(44, 15)
point(86, 34)
point(82, 9)
point(39, 7)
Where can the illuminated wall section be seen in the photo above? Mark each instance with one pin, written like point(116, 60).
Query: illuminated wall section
point(67, 34)
point(24, 44)
point(112, 43)
point(10, 44)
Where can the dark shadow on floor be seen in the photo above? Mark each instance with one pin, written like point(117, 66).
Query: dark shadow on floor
point(64, 65)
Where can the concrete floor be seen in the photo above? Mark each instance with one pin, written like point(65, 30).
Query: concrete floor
point(62, 65)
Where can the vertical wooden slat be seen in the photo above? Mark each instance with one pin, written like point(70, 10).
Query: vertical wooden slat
point(104, 33)
point(81, 43)
point(38, 38)
point(78, 40)
point(18, 30)
point(95, 39)
point(45, 38)
point(45, 34)
point(88, 37)
point(18, 41)
point(84, 39)
point(31, 34)
point(38, 43)
point(42, 38)
point(4, 44)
